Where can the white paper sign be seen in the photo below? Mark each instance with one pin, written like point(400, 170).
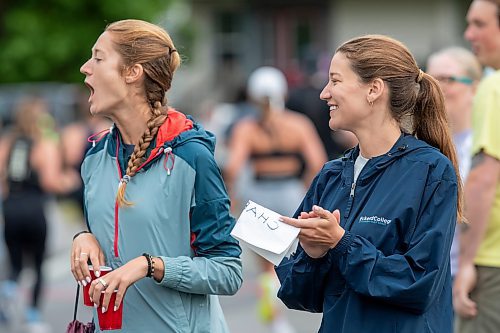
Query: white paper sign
point(260, 229)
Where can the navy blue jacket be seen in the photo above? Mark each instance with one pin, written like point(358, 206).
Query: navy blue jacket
point(390, 272)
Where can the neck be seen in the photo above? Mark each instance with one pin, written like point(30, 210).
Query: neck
point(375, 143)
point(132, 123)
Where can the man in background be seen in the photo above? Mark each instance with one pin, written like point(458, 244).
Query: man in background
point(476, 292)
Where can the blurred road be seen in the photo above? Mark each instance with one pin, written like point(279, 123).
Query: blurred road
point(240, 310)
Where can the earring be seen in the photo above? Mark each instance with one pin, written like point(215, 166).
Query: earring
point(371, 103)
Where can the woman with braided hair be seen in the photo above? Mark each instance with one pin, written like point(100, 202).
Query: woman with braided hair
point(152, 216)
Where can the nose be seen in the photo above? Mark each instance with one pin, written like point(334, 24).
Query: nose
point(325, 94)
point(469, 33)
point(85, 69)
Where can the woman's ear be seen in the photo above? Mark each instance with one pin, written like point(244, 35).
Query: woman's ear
point(133, 73)
point(375, 90)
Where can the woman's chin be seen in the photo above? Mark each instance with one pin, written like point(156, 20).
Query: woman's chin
point(93, 110)
point(334, 125)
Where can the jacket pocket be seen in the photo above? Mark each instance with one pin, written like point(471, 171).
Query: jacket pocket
point(182, 321)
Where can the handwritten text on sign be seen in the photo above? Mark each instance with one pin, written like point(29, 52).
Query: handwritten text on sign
point(260, 229)
point(261, 215)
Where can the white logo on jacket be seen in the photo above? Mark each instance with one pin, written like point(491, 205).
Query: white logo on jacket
point(374, 219)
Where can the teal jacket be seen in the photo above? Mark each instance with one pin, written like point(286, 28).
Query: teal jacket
point(180, 213)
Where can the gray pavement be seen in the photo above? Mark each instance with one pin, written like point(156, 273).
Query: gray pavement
point(240, 310)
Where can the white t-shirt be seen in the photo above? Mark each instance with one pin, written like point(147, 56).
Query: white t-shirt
point(359, 164)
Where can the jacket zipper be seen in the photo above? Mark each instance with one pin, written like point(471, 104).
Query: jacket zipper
point(350, 201)
point(353, 187)
point(349, 222)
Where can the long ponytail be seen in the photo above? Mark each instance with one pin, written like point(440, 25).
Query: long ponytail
point(431, 125)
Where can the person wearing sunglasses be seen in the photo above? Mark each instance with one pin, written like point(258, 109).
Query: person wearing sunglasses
point(458, 71)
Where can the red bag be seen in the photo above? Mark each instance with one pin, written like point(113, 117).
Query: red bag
point(77, 326)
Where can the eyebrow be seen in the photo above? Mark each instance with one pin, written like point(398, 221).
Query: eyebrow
point(332, 74)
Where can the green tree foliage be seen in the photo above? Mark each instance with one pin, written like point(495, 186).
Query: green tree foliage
point(49, 40)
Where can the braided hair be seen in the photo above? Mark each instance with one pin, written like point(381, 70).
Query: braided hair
point(140, 42)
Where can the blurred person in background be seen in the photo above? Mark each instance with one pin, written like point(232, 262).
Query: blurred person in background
point(284, 153)
point(76, 140)
point(156, 207)
point(458, 72)
point(376, 225)
point(282, 147)
point(476, 292)
point(221, 118)
point(31, 167)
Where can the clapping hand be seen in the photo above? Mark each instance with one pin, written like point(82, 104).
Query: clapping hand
point(319, 230)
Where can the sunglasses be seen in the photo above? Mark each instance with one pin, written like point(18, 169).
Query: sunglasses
point(450, 79)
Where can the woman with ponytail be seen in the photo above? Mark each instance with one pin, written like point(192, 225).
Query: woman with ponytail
point(156, 207)
point(376, 225)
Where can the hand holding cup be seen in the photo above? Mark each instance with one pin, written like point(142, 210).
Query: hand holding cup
point(85, 247)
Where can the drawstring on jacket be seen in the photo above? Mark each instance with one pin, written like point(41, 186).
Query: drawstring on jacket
point(169, 156)
point(100, 135)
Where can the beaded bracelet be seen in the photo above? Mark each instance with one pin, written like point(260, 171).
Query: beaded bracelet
point(81, 232)
point(152, 267)
point(150, 264)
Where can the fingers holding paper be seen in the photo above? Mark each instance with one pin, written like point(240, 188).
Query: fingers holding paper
point(307, 215)
point(319, 230)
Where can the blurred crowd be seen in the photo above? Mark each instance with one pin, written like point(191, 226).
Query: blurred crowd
point(40, 162)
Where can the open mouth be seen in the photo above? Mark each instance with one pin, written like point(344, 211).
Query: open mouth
point(90, 88)
point(333, 107)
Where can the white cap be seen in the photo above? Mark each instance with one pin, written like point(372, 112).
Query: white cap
point(268, 82)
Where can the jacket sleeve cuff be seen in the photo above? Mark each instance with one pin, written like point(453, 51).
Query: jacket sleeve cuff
point(342, 246)
point(172, 274)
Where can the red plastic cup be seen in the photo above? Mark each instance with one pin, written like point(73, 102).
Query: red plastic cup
point(111, 319)
point(86, 297)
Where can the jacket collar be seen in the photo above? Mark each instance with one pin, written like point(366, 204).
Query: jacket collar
point(404, 145)
point(175, 124)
